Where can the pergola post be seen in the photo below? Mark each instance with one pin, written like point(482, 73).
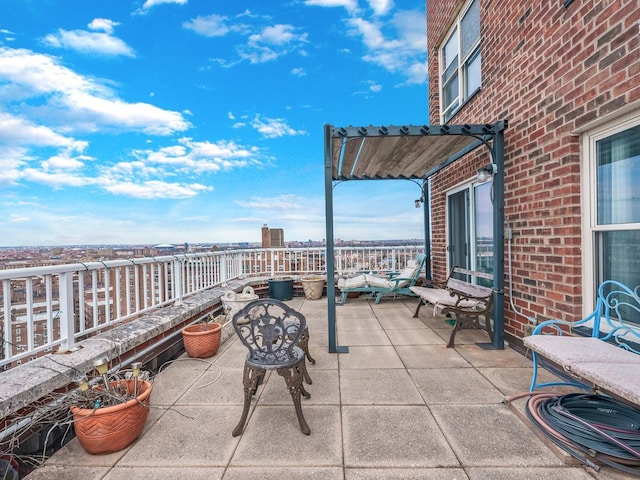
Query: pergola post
point(329, 241)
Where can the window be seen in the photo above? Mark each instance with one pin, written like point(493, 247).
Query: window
point(460, 61)
point(613, 231)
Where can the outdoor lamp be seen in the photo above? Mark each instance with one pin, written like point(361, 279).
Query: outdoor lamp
point(486, 172)
point(83, 385)
point(136, 366)
point(102, 366)
point(419, 202)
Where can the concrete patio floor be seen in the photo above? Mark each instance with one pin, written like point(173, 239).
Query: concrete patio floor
point(399, 405)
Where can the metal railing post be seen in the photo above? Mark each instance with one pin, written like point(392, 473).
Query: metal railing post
point(67, 317)
point(177, 281)
point(224, 275)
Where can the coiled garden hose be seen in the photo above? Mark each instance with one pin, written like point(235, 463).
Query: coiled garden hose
point(589, 426)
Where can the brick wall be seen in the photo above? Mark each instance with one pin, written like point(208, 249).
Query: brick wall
point(548, 70)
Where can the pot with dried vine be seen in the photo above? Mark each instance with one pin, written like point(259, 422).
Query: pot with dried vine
point(111, 415)
point(202, 340)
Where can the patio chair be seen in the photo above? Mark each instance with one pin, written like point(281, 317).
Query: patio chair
point(391, 284)
point(272, 331)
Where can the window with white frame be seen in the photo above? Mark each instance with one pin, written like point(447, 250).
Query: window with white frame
point(613, 181)
point(460, 61)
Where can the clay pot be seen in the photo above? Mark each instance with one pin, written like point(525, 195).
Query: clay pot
point(110, 429)
point(202, 340)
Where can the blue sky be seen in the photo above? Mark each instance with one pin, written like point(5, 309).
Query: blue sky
point(200, 120)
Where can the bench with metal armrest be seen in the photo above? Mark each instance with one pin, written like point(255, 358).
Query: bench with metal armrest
point(460, 298)
point(599, 352)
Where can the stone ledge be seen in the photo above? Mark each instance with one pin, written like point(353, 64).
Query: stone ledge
point(25, 384)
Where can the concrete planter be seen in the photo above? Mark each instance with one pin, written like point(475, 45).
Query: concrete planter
point(313, 286)
point(234, 302)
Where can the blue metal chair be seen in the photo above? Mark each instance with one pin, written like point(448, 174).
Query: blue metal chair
point(272, 331)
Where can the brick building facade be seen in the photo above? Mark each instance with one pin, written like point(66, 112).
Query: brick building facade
point(565, 74)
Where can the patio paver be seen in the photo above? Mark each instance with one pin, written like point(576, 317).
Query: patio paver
point(399, 405)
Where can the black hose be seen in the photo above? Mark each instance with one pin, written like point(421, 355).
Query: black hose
point(590, 426)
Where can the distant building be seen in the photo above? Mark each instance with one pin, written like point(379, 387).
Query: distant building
point(272, 237)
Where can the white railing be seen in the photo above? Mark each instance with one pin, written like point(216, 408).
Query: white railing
point(44, 308)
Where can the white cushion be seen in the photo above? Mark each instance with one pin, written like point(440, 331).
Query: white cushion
point(440, 297)
point(568, 351)
point(355, 282)
point(408, 272)
point(379, 282)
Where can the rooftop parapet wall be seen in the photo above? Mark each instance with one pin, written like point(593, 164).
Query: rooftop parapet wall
point(27, 383)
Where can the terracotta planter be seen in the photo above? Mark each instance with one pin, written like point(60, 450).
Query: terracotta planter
point(110, 429)
point(312, 286)
point(202, 340)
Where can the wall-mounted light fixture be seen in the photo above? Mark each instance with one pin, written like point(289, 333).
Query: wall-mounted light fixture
point(485, 173)
point(419, 201)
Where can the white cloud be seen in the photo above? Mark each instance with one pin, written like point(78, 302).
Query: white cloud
point(350, 5)
point(381, 7)
point(56, 179)
point(402, 51)
point(31, 74)
point(191, 157)
point(103, 24)
point(276, 35)
point(274, 127)
point(154, 189)
point(81, 103)
point(64, 162)
point(271, 43)
point(19, 131)
point(148, 4)
point(44, 91)
point(285, 203)
point(94, 111)
point(18, 218)
point(82, 41)
point(209, 25)
point(299, 72)
point(149, 174)
point(12, 160)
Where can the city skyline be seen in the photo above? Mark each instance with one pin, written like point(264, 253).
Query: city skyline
point(165, 121)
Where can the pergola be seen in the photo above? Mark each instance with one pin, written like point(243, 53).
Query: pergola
point(413, 153)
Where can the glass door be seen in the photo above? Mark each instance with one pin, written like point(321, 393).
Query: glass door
point(458, 218)
point(470, 228)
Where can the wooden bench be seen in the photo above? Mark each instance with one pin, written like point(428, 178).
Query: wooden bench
point(599, 352)
point(460, 298)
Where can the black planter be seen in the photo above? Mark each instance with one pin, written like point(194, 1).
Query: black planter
point(281, 288)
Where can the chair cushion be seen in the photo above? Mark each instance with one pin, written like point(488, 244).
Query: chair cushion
point(379, 282)
point(568, 351)
point(355, 282)
point(439, 297)
point(408, 272)
point(622, 379)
